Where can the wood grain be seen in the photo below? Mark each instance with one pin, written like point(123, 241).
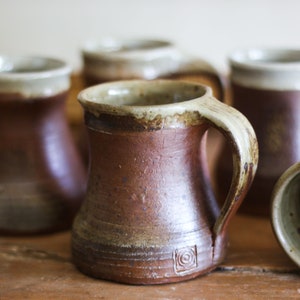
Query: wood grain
point(255, 268)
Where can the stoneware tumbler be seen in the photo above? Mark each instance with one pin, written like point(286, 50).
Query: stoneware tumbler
point(114, 59)
point(42, 180)
point(266, 89)
point(286, 212)
point(149, 215)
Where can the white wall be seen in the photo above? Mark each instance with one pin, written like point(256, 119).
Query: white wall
point(208, 28)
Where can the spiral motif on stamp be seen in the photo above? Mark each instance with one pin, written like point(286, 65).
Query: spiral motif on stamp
point(185, 259)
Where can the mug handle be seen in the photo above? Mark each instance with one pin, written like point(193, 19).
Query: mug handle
point(239, 133)
point(200, 71)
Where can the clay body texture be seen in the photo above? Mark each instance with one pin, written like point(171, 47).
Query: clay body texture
point(42, 180)
point(148, 205)
point(149, 215)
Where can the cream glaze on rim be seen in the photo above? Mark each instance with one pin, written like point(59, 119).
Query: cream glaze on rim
point(30, 67)
point(112, 49)
point(276, 69)
point(164, 98)
point(31, 76)
point(117, 59)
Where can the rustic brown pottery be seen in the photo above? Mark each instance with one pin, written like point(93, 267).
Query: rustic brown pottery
point(42, 179)
point(122, 59)
point(266, 89)
point(149, 215)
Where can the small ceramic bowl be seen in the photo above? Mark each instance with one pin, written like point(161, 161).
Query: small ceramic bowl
point(286, 212)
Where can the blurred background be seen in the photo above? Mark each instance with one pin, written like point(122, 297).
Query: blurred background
point(210, 29)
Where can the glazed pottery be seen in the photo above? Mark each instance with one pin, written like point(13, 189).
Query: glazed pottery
point(42, 179)
point(286, 212)
point(266, 89)
point(149, 215)
point(120, 59)
point(115, 59)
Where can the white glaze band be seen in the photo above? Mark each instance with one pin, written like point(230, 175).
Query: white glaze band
point(273, 69)
point(33, 76)
point(123, 59)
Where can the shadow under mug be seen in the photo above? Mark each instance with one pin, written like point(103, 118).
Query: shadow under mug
point(286, 212)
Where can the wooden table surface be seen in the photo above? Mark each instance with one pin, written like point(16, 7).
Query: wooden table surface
point(40, 267)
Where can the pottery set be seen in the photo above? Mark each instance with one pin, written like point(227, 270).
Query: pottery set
point(146, 212)
point(42, 178)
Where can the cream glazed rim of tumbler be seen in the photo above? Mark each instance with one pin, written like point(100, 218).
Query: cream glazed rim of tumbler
point(266, 68)
point(112, 48)
point(33, 76)
point(136, 58)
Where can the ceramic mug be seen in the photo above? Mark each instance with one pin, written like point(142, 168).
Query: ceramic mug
point(286, 212)
point(115, 59)
point(42, 178)
point(266, 89)
point(122, 59)
point(149, 215)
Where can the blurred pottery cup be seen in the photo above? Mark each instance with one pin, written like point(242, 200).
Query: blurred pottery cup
point(286, 212)
point(42, 178)
point(113, 59)
point(265, 87)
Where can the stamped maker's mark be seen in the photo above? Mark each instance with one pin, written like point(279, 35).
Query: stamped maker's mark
point(185, 259)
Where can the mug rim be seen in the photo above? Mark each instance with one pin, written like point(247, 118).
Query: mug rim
point(88, 95)
point(114, 47)
point(272, 59)
point(88, 100)
point(276, 214)
point(42, 67)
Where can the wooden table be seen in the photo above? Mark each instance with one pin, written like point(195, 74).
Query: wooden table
point(40, 267)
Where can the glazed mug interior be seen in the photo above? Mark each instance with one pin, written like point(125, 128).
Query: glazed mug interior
point(286, 212)
point(131, 93)
point(25, 64)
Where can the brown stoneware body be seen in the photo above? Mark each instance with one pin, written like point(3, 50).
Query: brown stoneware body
point(149, 215)
point(42, 180)
point(266, 89)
